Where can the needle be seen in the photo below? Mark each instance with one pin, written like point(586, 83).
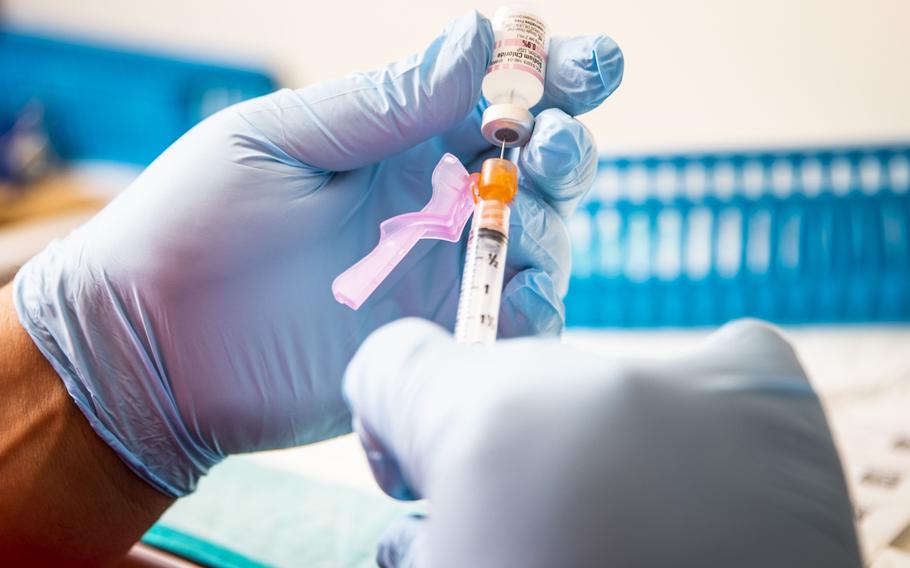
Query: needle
point(502, 153)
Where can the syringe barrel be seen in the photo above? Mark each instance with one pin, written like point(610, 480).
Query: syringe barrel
point(484, 272)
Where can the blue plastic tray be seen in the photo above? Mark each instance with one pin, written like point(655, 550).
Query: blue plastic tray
point(789, 236)
point(103, 103)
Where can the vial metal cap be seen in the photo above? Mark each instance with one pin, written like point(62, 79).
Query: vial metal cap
point(507, 123)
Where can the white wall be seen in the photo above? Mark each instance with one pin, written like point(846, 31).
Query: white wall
point(701, 73)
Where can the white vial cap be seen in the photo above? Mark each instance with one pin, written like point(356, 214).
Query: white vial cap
point(507, 123)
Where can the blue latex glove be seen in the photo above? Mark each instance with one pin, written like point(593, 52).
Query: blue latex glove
point(534, 453)
point(193, 318)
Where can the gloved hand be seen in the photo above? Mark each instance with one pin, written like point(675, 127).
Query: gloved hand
point(535, 453)
point(193, 317)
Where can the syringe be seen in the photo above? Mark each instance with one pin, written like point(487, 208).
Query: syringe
point(485, 259)
point(513, 84)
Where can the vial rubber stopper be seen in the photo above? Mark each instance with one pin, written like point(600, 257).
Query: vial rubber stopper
point(508, 124)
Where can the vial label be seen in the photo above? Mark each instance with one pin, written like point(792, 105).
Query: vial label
point(521, 39)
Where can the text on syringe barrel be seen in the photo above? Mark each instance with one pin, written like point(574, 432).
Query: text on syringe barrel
point(481, 286)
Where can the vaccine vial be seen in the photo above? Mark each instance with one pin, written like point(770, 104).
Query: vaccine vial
point(514, 80)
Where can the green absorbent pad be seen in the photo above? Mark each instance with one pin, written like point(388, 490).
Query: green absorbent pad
point(245, 514)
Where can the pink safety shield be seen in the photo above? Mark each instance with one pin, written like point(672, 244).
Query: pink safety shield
point(443, 218)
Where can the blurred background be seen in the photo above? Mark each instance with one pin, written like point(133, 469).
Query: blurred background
point(700, 74)
point(755, 162)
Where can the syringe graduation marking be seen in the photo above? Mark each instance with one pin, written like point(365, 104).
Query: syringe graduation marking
point(481, 287)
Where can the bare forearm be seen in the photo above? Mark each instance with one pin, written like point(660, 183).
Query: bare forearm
point(65, 497)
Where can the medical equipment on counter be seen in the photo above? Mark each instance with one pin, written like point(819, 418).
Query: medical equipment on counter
point(798, 235)
point(166, 94)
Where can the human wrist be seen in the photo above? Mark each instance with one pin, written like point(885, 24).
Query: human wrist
point(90, 328)
point(56, 469)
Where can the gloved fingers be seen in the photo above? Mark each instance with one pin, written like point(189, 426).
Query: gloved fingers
point(587, 71)
point(538, 235)
point(560, 160)
point(401, 541)
point(364, 117)
point(383, 463)
point(559, 163)
point(539, 238)
point(391, 384)
point(751, 352)
point(758, 346)
point(531, 306)
point(581, 73)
